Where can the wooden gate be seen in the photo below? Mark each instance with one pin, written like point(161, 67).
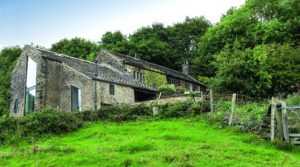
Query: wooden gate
point(285, 122)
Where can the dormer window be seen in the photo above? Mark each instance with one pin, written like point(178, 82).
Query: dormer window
point(138, 75)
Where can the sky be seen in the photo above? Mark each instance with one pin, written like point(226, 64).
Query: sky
point(44, 22)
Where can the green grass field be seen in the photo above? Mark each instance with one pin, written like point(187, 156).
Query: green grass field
point(172, 142)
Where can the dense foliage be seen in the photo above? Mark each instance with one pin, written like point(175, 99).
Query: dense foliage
point(76, 47)
point(8, 57)
point(253, 50)
point(168, 46)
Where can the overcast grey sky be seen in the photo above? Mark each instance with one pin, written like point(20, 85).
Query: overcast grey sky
point(44, 22)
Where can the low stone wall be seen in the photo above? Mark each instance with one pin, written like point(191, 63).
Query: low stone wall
point(170, 100)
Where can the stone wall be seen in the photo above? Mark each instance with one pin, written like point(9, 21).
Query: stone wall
point(52, 75)
point(18, 81)
point(123, 94)
point(71, 77)
point(112, 60)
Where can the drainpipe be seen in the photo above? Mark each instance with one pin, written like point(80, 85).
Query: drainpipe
point(46, 81)
point(95, 83)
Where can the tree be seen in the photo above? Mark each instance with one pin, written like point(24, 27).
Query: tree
point(76, 47)
point(184, 37)
point(264, 70)
point(242, 71)
point(116, 41)
point(255, 23)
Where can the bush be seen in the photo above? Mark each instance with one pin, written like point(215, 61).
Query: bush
point(89, 115)
point(293, 99)
point(46, 121)
point(124, 112)
point(195, 108)
point(167, 89)
point(175, 110)
point(181, 90)
point(49, 121)
point(8, 127)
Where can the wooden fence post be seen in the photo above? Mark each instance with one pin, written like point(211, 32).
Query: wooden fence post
point(155, 110)
point(211, 101)
point(232, 108)
point(159, 96)
point(278, 121)
point(273, 109)
point(284, 121)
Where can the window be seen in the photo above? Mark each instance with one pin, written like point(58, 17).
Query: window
point(173, 81)
point(138, 76)
point(75, 99)
point(141, 77)
point(16, 106)
point(190, 86)
point(111, 89)
point(30, 85)
point(154, 85)
point(134, 74)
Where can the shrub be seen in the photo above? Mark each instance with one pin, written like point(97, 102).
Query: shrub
point(167, 89)
point(293, 99)
point(181, 90)
point(175, 110)
point(49, 121)
point(8, 127)
point(89, 115)
point(195, 108)
point(124, 112)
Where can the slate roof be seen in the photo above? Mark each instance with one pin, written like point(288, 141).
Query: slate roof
point(105, 72)
point(146, 65)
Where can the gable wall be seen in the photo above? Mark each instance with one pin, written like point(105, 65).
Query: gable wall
point(71, 77)
point(18, 81)
point(114, 61)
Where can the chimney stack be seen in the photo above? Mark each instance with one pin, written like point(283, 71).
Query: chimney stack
point(186, 67)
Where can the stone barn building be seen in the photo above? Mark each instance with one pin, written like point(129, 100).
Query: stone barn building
point(42, 78)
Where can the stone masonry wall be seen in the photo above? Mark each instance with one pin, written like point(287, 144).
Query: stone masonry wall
point(52, 74)
point(18, 80)
point(70, 77)
point(123, 94)
point(114, 61)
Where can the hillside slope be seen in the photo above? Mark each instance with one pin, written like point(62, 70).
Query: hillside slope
point(181, 142)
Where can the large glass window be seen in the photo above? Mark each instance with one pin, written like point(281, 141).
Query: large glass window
point(30, 85)
point(75, 99)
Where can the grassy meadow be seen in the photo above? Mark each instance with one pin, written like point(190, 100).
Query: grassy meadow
point(170, 142)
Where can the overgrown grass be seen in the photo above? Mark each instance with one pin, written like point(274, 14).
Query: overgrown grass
point(171, 142)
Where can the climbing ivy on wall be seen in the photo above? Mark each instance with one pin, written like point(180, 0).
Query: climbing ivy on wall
point(154, 76)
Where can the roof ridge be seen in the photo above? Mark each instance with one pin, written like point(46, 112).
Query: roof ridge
point(147, 62)
point(64, 55)
point(143, 61)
